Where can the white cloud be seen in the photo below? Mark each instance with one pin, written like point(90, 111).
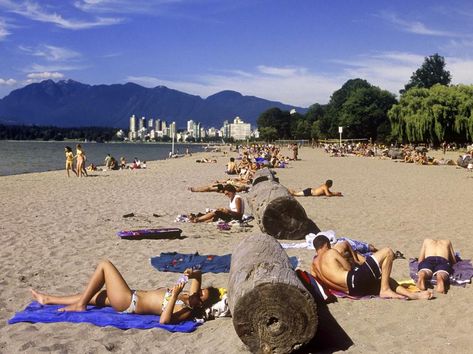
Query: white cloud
point(53, 67)
point(295, 86)
point(4, 32)
point(416, 27)
point(45, 75)
point(52, 53)
point(299, 86)
point(7, 82)
point(121, 6)
point(35, 12)
point(460, 69)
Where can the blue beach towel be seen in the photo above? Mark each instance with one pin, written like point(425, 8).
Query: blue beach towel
point(99, 316)
point(179, 262)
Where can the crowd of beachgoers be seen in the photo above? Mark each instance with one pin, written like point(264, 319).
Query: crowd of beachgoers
point(417, 154)
point(230, 172)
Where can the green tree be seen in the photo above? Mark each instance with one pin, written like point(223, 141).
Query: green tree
point(434, 115)
point(268, 133)
point(364, 113)
point(431, 72)
point(280, 120)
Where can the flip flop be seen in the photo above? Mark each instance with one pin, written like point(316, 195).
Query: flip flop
point(399, 255)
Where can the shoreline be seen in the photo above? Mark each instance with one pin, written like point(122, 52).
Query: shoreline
point(54, 231)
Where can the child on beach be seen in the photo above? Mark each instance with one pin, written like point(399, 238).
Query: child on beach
point(69, 160)
point(172, 304)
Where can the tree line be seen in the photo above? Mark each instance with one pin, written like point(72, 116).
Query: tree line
point(33, 132)
point(429, 110)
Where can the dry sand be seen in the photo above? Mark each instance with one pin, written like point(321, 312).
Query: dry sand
point(54, 230)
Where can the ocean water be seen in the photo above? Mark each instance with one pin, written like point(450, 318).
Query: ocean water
point(37, 156)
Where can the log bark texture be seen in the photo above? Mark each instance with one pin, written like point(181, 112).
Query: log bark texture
point(272, 311)
point(276, 211)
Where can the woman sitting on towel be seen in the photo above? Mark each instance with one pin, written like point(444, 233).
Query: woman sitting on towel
point(171, 304)
point(235, 210)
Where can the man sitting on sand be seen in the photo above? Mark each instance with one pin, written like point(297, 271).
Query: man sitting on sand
point(435, 260)
point(232, 167)
point(322, 190)
point(368, 277)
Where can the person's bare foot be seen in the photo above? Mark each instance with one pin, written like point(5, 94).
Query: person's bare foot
point(73, 308)
point(41, 298)
point(421, 282)
point(390, 294)
point(441, 287)
point(422, 295)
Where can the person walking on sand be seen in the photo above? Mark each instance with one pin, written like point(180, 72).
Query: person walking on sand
point(172, 304)
point(322, 190)
point(69, 160)
point(80, 161)
point(370, 276)
point(435, 260)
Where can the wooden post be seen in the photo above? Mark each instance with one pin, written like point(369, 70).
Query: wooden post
point(272, 311)
point(276, 211)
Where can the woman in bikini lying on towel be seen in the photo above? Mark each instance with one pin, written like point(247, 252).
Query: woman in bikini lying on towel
point(172, 304)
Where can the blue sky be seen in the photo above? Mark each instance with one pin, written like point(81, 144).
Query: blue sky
point(297, 52)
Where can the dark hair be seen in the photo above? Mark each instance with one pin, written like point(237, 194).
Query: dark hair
point(214, 297)
point(68, 148)
point(229, 188)
point(320, 241)
point(329, 182)
point(232, 159)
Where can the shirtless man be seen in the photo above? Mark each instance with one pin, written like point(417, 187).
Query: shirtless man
point(322, 190)
point(369, 277)
point(435, 260)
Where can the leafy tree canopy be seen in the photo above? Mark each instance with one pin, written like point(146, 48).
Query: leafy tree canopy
point(430, 73)
point(433, 115)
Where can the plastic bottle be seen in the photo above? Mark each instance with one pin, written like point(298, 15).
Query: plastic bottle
point(183, 279)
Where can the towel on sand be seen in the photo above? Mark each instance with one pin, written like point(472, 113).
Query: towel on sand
point(462, 271)
point(179, 262)
point(99, 316)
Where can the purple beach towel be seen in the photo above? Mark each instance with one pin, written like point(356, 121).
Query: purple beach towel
point(99, 316)
point(462, 271)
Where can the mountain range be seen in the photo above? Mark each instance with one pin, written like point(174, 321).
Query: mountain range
point(73, 104)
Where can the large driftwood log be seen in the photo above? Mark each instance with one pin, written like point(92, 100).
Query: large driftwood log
point(276, 211)
point(272, 311)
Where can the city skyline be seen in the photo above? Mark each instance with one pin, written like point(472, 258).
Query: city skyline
point(297, 53)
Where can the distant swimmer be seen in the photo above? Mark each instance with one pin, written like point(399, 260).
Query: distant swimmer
point(322, 190)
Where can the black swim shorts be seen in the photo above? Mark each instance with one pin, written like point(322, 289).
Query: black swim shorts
point(307, 192)
point(365, 279)
point(435, 264)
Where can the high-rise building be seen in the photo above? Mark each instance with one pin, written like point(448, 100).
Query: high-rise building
point(132, 132)
point(157, 125)
point(141, 124)
point(190, 127)
point(239, 130)
point(150, 124)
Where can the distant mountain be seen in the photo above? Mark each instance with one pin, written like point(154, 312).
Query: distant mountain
point(73, 104)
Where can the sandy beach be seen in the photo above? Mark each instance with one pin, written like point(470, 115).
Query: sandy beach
point(54, 230)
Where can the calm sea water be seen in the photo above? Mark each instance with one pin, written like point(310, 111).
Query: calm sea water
point(37, 156)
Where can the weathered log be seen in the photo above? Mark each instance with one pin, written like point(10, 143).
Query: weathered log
point(272, 311)
point(277, 212)
point(264, 174)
